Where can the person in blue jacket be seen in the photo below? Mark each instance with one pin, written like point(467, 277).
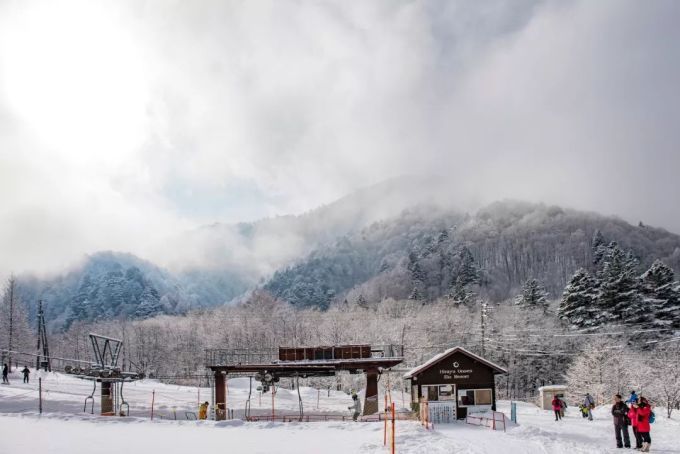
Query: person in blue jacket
point(633, 398)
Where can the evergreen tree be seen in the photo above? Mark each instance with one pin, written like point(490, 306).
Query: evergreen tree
point(660, 293)
point(533, 296)
point(418, 278)
point(599, 247)
point(578, 300)
point(619, 296)
point(468, 273)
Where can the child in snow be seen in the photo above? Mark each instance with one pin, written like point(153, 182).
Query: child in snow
point(584, 411)
point(589, 403)
point(557, 408)
point(644, 411)
point(633, 398)
point(620, 414)
point(203, 411)
point(356, 407)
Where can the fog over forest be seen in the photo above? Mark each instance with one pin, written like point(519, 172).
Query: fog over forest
point(186, 115)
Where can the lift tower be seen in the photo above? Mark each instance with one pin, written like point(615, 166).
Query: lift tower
point(43, 356)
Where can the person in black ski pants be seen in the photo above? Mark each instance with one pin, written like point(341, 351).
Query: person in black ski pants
point(620, 414)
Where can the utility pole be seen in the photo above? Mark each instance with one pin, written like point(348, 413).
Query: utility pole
point(42, 348)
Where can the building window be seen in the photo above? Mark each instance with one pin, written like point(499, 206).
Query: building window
point(439, 392)
point(446, 392)
point(472, 397)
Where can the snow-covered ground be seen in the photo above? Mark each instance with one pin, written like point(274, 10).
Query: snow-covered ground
point(64, 428)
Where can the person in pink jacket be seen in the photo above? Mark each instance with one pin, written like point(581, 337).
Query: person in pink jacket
point(557, 407)
point(632, 415)
point(644, 411)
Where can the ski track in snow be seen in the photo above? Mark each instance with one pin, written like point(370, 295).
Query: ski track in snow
point(64, 428)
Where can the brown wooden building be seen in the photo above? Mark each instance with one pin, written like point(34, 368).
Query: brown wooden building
point(458, 379)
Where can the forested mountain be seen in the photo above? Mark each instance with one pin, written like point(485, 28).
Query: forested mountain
point(427, 253)
point(107, 286)
point(423, 252)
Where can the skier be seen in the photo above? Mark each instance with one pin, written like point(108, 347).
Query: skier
point(589, 403)
point(644, 410)
point(203, 411)
point(356, 407)
point(557, 408)
point(632, 416)
point(620, 414)
point(25, 372)
point(633, 398)
point(5, 372)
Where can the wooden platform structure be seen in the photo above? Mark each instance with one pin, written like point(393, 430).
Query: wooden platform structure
point(302, 362)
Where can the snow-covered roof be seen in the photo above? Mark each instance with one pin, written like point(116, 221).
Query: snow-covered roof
point(436, 358)
point(553, 388)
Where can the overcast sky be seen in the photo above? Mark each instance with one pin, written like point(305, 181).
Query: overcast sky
point(124, 122)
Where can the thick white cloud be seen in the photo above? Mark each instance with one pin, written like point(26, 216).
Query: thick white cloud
point(122, 123)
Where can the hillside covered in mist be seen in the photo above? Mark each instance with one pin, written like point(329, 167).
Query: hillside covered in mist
point(377, 243)
point(424, 249)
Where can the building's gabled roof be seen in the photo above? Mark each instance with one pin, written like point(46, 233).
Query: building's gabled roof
point(553, 388)
point(435, 359)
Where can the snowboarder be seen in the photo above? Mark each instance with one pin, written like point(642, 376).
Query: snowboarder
point(25, 372)
point(203, 411)
point(644, 411)
point(633, 398)
point(632, 416)
point(557, 408)
point(5, 372)
point(620, 414)
point(356, 407)
point(589, 403)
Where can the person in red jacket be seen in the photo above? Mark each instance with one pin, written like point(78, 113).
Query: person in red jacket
point(557, 407)
point(644, 410)
point(632, 415)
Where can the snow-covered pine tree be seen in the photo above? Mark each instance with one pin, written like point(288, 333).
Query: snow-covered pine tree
point(464, 278)
point(468, 273)
point(578, 300)
point(619, 296)
point(599, 247)
point(533, 296)
point(418, 277)
point(660, 295)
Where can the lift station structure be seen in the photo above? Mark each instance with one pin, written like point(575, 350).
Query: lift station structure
point(106, 372)
point(267, 366)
